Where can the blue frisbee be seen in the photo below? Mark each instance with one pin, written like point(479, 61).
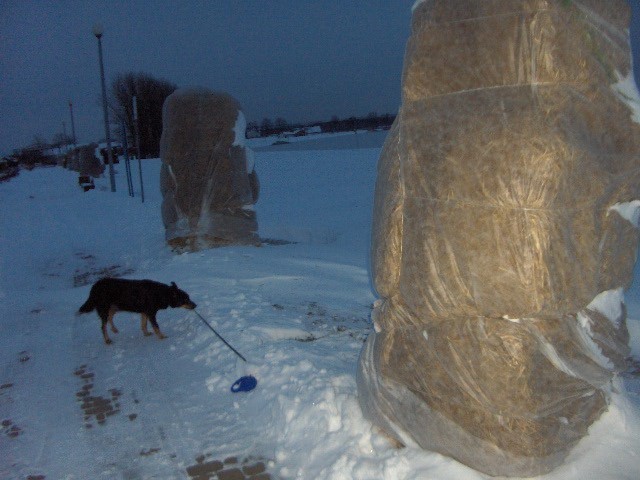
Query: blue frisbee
point(244, 384)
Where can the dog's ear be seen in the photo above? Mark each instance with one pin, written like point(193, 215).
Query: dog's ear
point(173, 284)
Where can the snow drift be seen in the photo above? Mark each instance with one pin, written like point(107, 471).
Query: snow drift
point(495, 249)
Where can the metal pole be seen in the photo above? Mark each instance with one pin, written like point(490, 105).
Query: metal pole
point(97, 31)
point(135, 122)
point(73, 132)
point(73, 125)
point(127, 164)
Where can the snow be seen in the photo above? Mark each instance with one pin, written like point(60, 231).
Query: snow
point(627, 90)
point(239, 130)
point(299, 312)
point(630, 211)
point(609, 304)
point(251, 161)
point(362, 139)
point(416, 5)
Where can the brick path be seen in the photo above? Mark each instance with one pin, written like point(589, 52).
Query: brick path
point(229, 469)
point(98, 409)
point(96, 406)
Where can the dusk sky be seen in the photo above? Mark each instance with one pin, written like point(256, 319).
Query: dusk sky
point(301, 60)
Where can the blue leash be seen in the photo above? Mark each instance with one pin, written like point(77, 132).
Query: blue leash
point(243, 384)
point(220, 336)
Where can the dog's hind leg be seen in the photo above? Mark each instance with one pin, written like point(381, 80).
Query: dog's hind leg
point(156, 328)
point(143, 324)
point(112, 312)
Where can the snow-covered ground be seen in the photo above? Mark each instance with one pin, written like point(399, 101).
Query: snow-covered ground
point(299, 312)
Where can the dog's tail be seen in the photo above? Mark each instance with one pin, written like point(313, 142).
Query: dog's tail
point(87, 306)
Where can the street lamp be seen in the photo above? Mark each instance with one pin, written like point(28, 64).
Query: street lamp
point(98, 31)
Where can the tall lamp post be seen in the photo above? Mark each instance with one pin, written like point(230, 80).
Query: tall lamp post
point(98, 31)
point(73, 124)
point(74, 150)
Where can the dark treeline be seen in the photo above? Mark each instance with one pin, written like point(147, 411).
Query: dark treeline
point(372, 121)
point(30, 157)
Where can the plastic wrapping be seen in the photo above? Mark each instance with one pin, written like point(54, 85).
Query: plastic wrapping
point(495, 245)
point(207, 178)
point(83, 160)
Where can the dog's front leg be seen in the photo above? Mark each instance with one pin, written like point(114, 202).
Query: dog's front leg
point(104, 315)
point(107, 340)
point(143, 324)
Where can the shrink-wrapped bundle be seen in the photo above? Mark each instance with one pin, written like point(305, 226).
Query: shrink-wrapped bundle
point(505, 230)
point(207, 178)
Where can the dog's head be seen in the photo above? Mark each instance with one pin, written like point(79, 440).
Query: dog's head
point(180, 298)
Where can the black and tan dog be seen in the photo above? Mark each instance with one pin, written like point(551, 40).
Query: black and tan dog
point(146, 297)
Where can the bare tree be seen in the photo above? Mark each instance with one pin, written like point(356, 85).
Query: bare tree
point(281, 124)
point(150, 94)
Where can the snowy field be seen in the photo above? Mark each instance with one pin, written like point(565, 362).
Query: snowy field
point(299, 312)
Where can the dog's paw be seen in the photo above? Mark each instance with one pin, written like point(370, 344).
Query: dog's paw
point(114, 330)
point(108, 342)
point(147, 334)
